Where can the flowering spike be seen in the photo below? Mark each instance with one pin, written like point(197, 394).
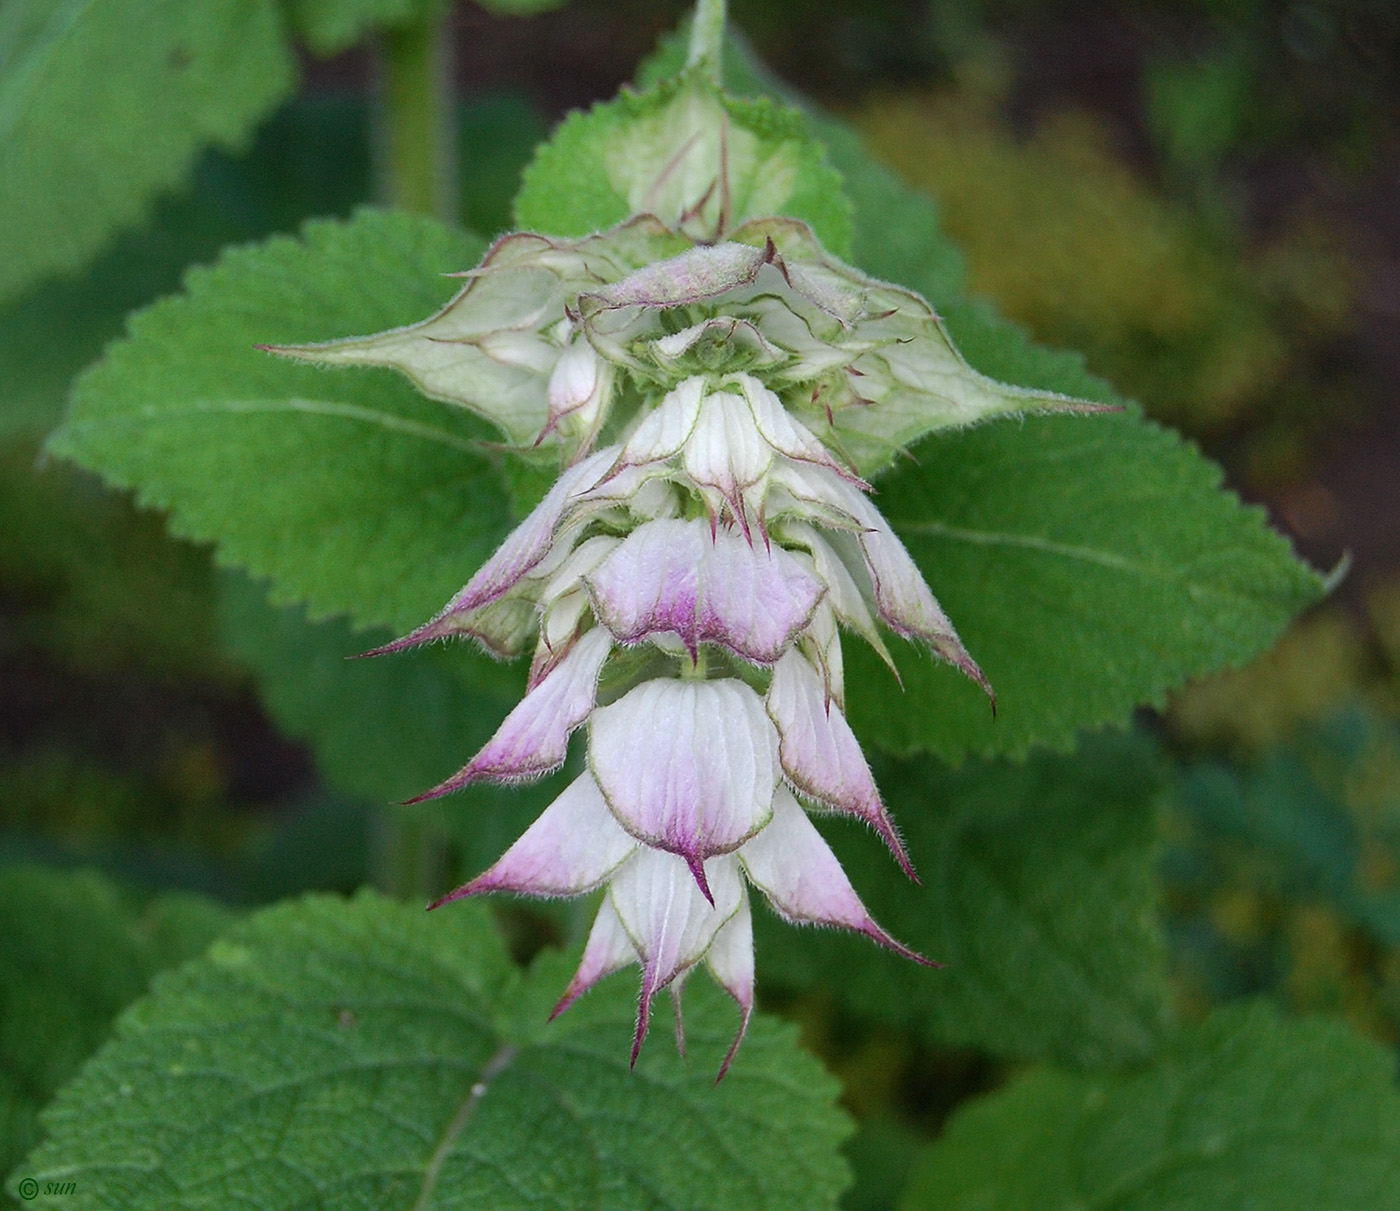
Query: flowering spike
point(768, 381)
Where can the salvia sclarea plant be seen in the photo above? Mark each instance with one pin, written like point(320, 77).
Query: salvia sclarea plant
point(715, 392)
point(682, 436)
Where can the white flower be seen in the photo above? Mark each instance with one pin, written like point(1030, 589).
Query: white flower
point(722, 534)
point(693, 773)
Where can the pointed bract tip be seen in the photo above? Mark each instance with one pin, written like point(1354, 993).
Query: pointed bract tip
point(876, 934)
point(886, 831)
point(460, 893)
point(746, 1012)
point(572, 993)
point(462, 778)
point(696, 862)
point(643, 1024)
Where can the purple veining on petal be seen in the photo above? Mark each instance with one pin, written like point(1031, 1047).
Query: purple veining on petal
point(791, 864)
point(687, 766)
point(534, 738)
point(820, 753)
point(571, 849)
point(526, 546)
point(707, 585)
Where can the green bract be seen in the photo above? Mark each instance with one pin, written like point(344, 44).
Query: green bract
point(702, 161)
point(534, 341)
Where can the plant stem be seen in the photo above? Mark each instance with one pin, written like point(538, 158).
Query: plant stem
point(707, 37)
point(407, 857)
point(415, 126)
point(415, 168)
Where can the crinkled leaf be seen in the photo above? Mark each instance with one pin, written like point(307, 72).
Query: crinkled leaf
point(1038, 893)
point(696, 158)
point(350, 491)
point(105, 104)
point(365, 1054)
point(74, 951)
point(1245, 1110)
point(1090, 564)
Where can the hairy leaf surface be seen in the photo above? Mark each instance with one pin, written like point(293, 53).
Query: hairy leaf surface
point(364, 1054)
point(350, 491)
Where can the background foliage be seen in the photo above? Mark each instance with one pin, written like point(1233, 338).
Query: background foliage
point(1137, 923)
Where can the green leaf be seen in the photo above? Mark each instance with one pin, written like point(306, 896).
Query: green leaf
point(391, 727)
point(1090, 565)
point(738, 160)
point(351, 492)
point(331, 26)
point(105, 103)
point(1038, 893)
point(1245, 1110)
point(1305, 813)
point(74, 951)
point(366, 1054)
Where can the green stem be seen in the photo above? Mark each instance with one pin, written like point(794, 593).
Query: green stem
point(415, 168)
point(408, 855)
point(416, 135)
point(707, 37)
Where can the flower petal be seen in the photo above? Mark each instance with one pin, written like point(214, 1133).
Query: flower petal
point(730, 960)
point(534, 739)
point(791, 864)
point(609, 949)
point(820, 753)
point(784, 432)
point(901, 597)
point(726, 451)
point(523, 550)
point(687, 766)
point(842, 592)
point(665, 429)
point(573, 846)
point(670, 923)
point(705, 586)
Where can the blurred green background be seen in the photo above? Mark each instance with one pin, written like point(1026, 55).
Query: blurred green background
point(1203, 198)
